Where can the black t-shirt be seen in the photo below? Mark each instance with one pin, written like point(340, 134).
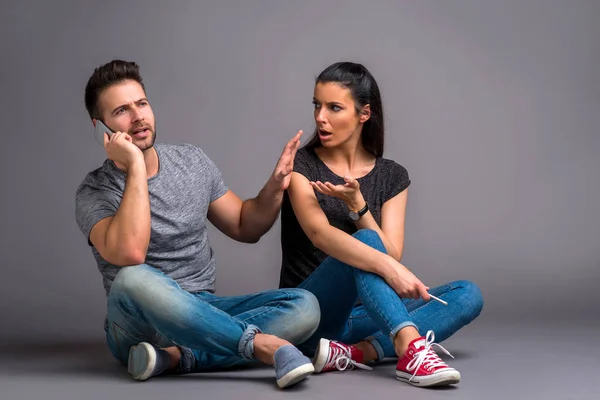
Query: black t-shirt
point(299, 257)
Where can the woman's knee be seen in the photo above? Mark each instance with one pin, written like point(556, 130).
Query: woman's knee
point(472, 299)
point(370, 238)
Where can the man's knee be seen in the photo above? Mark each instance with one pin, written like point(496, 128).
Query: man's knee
point(306, 314)
point(370, 238)
point(134, 280)
point(129, 277)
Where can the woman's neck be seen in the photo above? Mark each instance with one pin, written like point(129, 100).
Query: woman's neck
point(350, 159)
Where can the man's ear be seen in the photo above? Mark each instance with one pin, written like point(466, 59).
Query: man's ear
point(365, 114)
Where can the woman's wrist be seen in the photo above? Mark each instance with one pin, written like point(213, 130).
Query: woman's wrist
point(355, 204)
point(386, 266)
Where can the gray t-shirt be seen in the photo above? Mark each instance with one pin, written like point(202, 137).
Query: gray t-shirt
point(180, 193)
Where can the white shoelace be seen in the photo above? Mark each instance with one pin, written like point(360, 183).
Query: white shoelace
point(343, 358)
point(427, 356)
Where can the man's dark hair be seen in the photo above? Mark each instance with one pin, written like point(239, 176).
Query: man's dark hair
point(109, 74)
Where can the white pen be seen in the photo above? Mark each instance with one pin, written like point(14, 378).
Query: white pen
point(437, 299)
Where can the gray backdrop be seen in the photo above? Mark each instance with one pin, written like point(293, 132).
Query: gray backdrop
point(492, 106)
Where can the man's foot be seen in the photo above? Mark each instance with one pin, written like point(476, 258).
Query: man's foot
point(332, 355)
point(421, 366)
point(291, 366)
point(145, 361)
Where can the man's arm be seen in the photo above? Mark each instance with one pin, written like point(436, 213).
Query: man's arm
point(247, 221)
point(123, 239)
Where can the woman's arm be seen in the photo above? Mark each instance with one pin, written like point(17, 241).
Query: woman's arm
point(393, 213)
point(392, 224)
point(344, 247)
point(391, 231)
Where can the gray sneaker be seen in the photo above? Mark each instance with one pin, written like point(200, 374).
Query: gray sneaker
point(145, 361)
point(291, 366)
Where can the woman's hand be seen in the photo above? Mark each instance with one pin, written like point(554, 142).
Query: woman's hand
point(349, 192)
point(405, 283)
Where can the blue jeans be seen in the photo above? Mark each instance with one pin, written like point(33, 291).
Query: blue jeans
point(382, 313)
point(212, 332)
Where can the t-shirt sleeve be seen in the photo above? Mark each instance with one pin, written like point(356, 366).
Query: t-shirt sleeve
point(398, 180)
point(93, 205)
point(303, 164)
point(208, 167)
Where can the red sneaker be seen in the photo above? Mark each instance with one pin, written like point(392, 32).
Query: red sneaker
point(332, 355)
point(421, 366)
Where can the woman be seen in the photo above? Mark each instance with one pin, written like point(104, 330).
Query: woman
point(343, 237)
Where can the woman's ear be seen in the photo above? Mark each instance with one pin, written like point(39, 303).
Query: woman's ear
point(365, 114)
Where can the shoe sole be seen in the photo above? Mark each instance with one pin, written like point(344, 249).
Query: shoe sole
point(144, 354)
point(441, 378)
point(295, 375)
point(321, 359)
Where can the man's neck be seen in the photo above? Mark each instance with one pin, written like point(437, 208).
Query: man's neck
point(151, 161)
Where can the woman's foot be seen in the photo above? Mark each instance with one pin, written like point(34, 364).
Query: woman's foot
point(421, 366)
point(331, 355)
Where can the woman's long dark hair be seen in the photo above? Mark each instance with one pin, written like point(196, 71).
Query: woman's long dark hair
point(364, 90)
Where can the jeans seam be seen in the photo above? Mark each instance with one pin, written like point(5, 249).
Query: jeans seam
point(429, 303)
point(116, 337)
point(116, 329)
point(271, 308)
point(377, 309)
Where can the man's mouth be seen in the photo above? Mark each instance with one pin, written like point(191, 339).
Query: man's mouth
point(140, 131)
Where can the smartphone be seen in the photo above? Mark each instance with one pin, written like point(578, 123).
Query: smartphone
point(99, 130)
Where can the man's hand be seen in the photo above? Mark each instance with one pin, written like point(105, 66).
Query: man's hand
point(349, 192)
point(285, 165)
point(120, 148)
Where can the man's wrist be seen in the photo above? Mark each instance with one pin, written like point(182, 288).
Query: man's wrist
point(137, 166)
point(272, 188)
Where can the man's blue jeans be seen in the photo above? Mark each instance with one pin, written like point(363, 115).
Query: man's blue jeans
point(212, 332)
point(382, 313)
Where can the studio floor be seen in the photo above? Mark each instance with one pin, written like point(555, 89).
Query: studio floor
point(497, 360)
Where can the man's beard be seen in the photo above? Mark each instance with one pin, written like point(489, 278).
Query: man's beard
point(143, 144)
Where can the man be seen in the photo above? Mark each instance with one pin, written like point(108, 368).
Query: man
point(144, 213)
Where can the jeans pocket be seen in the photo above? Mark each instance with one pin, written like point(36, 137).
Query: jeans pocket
point(120, 341)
